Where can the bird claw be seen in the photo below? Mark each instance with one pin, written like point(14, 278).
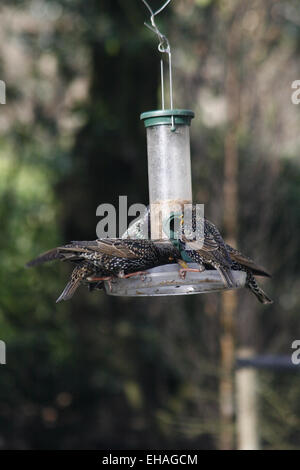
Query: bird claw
point(138, 273)
point(183, 271)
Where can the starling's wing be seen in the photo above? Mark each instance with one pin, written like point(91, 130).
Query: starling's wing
point(206, 244)
point(214, 231)
point(247, 262)
point(209, 250)
point(63, 253)
point(108, 246)
point(117, 248)
point(50, 255)
point(84, 243)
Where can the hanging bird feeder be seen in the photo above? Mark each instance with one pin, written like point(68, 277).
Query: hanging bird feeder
point(170, 188)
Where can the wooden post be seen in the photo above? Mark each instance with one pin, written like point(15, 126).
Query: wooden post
point(246, 404)
point(226, 387)
point(229, 299)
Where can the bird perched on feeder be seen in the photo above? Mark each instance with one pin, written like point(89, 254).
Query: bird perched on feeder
point(102, 259)
point(198, 240)
point(206, 247)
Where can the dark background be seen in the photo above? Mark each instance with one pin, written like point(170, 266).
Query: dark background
point(116, 373)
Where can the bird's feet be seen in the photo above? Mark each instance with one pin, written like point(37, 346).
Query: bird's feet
point(185, 268)
point(137, 273)
point(183, 271)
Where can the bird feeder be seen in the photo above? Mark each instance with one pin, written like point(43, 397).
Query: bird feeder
point(170, 188)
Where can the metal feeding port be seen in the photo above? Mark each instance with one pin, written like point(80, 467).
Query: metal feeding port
point(166, 280)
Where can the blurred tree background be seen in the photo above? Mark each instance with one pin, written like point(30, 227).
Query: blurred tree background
point(101, 372)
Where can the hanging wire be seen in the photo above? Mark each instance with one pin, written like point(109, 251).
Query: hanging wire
point(164, 48)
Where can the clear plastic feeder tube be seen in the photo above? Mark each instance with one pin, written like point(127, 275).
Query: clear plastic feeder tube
point(169, 164)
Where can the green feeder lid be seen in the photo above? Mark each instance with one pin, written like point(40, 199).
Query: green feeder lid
point(164, 116)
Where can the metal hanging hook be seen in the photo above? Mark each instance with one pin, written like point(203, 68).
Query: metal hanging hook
point(163, 47)
point(162, 38)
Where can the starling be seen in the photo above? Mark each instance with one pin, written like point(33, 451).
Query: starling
point(200, 242)
point(104, 259)
point(213, 252)
point(113, 256)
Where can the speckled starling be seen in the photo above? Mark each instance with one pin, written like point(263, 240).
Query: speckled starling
point(102, 259)
point(199, 242)
point(209, 249)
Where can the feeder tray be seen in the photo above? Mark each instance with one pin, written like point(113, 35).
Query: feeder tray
point(166, 280)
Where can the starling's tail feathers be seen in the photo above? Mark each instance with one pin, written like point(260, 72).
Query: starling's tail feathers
point(79, 273)
point(257, 291)
point(243, 260)
point(69, 290)
point(261, 295)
